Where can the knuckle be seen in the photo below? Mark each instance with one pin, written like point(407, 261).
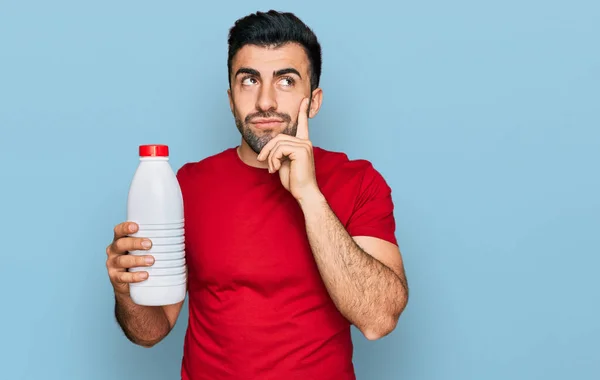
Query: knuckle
point(114, 276)
point(123, 261)
point(123, 245)
point(112, 263)
point(118, 245)
point(123, 277)
point(140, 261)
point(132, 277)
point(117, 262)
point(127, 261)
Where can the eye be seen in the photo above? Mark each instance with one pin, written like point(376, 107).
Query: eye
point(248, 81)
point(287, 81)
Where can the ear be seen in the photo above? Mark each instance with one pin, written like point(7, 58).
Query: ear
point(316, 100)
point(230, 100)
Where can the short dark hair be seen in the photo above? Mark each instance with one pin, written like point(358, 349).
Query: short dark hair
point(275, 29)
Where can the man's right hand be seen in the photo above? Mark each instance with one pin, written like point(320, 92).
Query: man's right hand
point(119, 261)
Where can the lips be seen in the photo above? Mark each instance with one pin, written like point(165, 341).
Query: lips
point(266, 123)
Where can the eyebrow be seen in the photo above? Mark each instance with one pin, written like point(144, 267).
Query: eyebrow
point(289, 70)
point(247, 70)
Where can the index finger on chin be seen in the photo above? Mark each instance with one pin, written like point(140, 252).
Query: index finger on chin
point(302, 131)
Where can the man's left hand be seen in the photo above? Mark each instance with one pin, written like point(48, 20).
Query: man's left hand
point(292, 156)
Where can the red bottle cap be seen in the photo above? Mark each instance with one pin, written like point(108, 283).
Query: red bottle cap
point(154, 150)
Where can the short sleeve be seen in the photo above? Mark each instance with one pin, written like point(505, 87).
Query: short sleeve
point(373, 213)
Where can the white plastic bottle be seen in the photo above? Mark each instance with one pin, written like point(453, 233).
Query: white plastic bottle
point(155, 203)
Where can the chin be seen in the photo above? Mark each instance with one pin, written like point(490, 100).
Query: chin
point(257, 143)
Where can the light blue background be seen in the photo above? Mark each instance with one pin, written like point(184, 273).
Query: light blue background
point(483, 116)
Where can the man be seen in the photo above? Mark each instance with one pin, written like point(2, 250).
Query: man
point(287, 244)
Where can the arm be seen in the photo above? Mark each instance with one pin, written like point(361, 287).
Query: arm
point(142, 325)
point(363, 275)
point(145, 325)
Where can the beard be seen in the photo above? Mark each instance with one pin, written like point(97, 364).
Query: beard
point(257, 142)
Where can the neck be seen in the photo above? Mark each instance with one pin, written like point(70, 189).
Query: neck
point(248, 156)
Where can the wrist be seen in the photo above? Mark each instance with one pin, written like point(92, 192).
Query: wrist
point(311, 198)
point(122, 297)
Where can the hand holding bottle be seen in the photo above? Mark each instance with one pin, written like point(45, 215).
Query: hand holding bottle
point(118, 261)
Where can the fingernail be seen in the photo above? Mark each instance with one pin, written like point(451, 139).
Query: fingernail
point(149, 259)
point(144, 275)
point(146, 244)
point(131, 227)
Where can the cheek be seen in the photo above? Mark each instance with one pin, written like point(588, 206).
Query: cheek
point(243, 102)
point(289, 103)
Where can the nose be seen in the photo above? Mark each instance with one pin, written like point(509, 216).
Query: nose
point(266, 99)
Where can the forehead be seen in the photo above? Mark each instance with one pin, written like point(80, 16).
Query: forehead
point(271, 58)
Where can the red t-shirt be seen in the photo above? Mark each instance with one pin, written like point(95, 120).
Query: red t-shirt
point(258, 308)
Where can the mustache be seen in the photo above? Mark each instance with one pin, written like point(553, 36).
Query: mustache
point(267, 115)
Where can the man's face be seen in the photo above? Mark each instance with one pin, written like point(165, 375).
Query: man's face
point(267, 87)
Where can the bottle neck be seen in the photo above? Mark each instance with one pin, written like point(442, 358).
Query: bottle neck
point(154, 158)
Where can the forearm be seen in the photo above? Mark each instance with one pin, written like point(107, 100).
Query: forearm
point(368, 293)
point(142, 325)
